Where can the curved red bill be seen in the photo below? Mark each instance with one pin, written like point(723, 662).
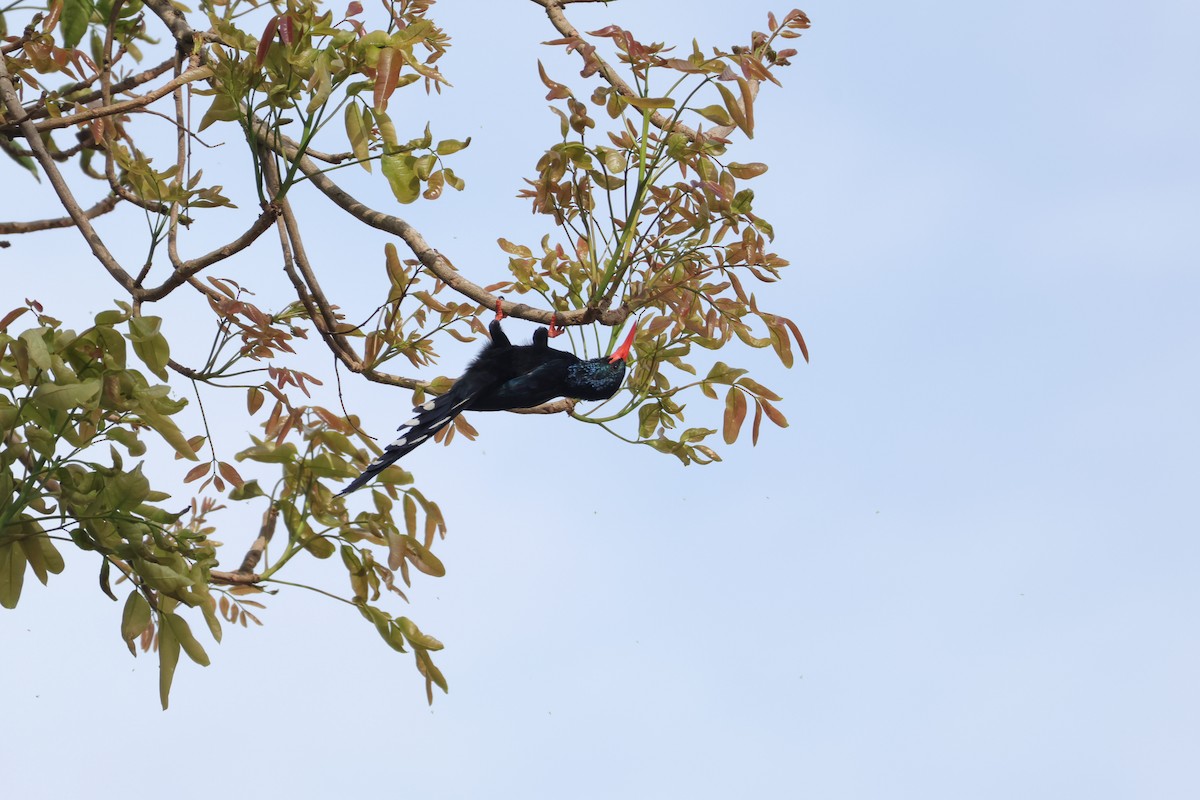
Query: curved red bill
point(622, 352)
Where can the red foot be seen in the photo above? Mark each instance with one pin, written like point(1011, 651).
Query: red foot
point(499, 312)
point(554, 329)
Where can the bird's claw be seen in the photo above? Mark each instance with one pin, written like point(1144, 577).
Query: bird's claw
point(499, 311)
point(555, 330)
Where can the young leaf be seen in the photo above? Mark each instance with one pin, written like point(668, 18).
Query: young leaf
point(183, 634)
point(168, 659)
point(12, 574)
point(75, 16)
point(149, 344)
point(735, 413)
point(400, 171)
point(135, 619)
point(357, 127)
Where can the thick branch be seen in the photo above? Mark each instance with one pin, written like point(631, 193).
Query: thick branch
point(176, 22)
point(245, 574)
point(103, 207)
point(234, 578)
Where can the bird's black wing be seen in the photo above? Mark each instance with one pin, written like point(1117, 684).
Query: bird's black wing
point(533, 387)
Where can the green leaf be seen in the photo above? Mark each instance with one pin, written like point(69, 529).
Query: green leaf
point(35, 346)
point(25, 161)
point(169, 431)
point(12, 574)
point(149, 344)
point(125, 491)
point(432, 674)
point(135, 619)
point(451, 146)
point(693, 435)
point(723, 373)
point(43, 557)
point(400, 171)
point(183, 633)
point(161, 577)
point(414, 635)
point(223, 109)
point(320, 547)
point(649, 103)
point(246, 491)
point(209, 609)
point(715, 114)
point(75, 16)
point(168, 659)
point(424, 166)
point(453, 180)
point(62, 397)
point(358, 123)
point(410, 514)
point(105, 568)
point(422, 559)
point(735, 111)
point(745, 171)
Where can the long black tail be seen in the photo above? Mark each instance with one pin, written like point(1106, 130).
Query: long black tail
point(430, 418)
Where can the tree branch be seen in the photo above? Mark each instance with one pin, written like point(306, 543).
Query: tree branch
point(200, 73)
point(187, 269)
point(103, 207)
point(176, 22)
point(103, 255)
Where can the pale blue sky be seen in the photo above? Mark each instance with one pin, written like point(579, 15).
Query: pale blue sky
point(967, 570)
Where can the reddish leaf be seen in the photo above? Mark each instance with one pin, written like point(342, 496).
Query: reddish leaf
point(264, 42)
point(230, 474)
point(10, 316)
point(387, 72)
point(198, 471)
point(758, 389)
point(735, 414)
point(774, 414)
point(254, 399)
point(796, 334)
point(287, 30)
point(748, 105)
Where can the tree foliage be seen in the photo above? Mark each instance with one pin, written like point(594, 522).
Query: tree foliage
point(648, 220)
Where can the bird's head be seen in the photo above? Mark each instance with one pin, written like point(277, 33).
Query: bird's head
point(622, 352)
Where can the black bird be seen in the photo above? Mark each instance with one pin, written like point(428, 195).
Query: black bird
point(505, 376)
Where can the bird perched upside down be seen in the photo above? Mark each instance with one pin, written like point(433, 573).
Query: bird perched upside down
point(505, 376)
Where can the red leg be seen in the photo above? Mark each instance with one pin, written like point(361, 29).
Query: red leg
point(554, 329)
point(499, 312)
